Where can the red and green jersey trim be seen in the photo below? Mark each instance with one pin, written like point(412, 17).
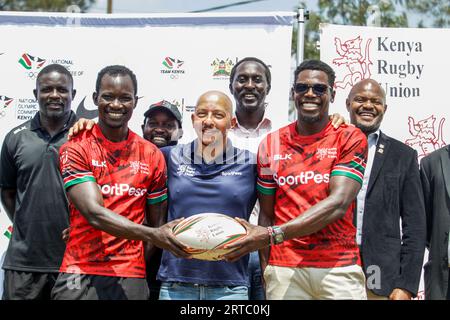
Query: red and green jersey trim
point(351, 170)
point(266, 187)
point(157, 197)
point(78, 178)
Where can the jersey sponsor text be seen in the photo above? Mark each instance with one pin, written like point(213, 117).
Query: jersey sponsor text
point(302, 178)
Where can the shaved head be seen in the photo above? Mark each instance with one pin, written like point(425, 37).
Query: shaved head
point(216, 97)
point(367, 84)
point(366, 104)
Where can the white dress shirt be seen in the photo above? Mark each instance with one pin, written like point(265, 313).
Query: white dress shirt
point(361, 198)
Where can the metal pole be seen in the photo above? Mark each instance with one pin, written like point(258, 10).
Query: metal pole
point(300, 34)
point(109, 6)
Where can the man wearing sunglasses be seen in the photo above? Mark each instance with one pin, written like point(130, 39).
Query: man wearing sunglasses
point(308, 177)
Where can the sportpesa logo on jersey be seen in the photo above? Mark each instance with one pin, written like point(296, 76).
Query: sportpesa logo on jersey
point(121, 189)
point(302, 178)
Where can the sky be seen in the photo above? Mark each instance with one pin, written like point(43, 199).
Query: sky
point(174, 6)
point(155, 6)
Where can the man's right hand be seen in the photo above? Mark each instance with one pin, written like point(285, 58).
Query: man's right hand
point(163, 238)
point(80, 125)
point(65, 234)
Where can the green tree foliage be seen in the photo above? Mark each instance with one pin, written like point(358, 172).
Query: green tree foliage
point(393, 13)
point(43, 5)
point(438, 11)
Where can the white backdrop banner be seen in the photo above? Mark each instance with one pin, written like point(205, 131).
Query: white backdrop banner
point(175, 57)
point(410, 64)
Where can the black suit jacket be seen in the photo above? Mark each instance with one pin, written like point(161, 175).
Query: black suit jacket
point(394, 191)
point(435, 174)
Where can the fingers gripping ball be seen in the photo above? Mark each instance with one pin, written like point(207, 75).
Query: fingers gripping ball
point(207, 234)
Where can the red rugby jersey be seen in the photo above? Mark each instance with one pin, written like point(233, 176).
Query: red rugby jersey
point(297, 169)
point(128, 173)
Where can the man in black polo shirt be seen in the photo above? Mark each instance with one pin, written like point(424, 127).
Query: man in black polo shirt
point(32, 190)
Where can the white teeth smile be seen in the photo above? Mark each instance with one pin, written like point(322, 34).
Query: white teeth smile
point(115, 115)
point(310, 105)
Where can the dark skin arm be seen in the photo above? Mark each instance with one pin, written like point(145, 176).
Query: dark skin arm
point(155, 217)
point(86, 197)
point(343, 191)
point(266, 218)
point(8, 197)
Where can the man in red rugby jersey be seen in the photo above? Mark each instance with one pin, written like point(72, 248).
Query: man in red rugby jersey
point(115, 180)
point(308, 177)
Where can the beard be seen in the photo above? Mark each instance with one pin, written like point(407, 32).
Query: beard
point(369, 128)
point(310, 119)
point(54, 115)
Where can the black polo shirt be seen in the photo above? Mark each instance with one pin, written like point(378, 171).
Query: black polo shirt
point(30, 164)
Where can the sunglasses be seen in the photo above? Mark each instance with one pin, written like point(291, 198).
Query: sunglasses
point(318, 89)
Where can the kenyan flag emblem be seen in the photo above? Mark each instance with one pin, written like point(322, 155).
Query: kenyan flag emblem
point(170, 62)
point(28, 61)
point(8, 232)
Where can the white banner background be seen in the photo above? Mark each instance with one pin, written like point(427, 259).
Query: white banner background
point(411, 65)
point(192, 44)
point(393, 57)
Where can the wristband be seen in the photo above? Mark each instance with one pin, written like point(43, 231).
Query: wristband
point(277, 235)
point(270, 231)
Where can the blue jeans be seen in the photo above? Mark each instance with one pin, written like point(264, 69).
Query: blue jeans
point(190, 291)
point(256, 290)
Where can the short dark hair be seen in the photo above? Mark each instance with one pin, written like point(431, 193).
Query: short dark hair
point(54, 67)
point(114, 71)
point(267, 70)
point(316, 65)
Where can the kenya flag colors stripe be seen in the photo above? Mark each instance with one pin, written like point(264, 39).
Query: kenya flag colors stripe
point(8, 232)
point(25, 61)
point(266, 187)
point(157, 197)
point(168, 62)
point(348, 172)
point(77, 178)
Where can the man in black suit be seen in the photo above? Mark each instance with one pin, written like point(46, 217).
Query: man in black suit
point(392, 254)
point(435, 174)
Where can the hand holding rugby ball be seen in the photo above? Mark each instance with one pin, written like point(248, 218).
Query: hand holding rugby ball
point(206, 234)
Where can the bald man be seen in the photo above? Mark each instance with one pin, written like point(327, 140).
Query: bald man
point(390, 215)
point(208, 175)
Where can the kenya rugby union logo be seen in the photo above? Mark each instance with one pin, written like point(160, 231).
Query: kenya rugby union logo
point(356, 62)
point(426, 136)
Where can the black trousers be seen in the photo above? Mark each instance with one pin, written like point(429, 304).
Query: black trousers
point(23, 285)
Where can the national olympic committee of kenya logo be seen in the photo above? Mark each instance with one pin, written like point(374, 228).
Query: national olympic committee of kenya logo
point(32, 64)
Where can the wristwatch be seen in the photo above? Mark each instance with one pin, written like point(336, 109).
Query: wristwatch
point(277, 235)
